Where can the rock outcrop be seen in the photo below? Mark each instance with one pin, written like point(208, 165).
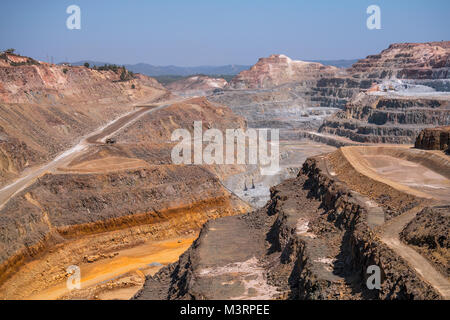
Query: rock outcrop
point(389, 97)
point(428, 233)
point(402, 92)
point(130, 187)
point(388, 119)
point(407, 61)
point(311, 241)
point(434, 139)
point(422, 65)
point(279, 69)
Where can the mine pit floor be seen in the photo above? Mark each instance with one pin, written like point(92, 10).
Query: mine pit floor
point(141, 260)
point(411, 174)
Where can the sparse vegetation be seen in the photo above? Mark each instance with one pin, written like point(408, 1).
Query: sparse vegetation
point(86, 64)
point(106, 67)
point(28, 62)
point(123, 75)
point(126, 75)
point(133, 86)
point(65, 70)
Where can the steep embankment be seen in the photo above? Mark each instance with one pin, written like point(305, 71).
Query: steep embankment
point(311, 241)
point(295, 95)
point(434, 139)
point(407, 61)
point(417, 64)
point(428, 234)
point(388, 119)
point(276, 93)
point(126, 193)
point(155, 200)
point(404, 90)
point(45, 108)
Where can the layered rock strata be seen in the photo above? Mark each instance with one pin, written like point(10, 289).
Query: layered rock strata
point(46, 108)
point(388, 119)
point(434, 139)
point(311, 241)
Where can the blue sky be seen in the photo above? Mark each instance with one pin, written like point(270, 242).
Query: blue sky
point(201, 32)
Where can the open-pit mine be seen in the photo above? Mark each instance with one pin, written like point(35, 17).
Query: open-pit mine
point(87, 180)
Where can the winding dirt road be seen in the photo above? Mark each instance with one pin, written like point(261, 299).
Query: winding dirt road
point(98, 136)
point(391, 238)
point(391, 230)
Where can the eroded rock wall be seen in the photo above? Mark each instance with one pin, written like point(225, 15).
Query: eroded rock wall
point(434, 139)
point(63, 206)
point(378, 119)
point(317, 246)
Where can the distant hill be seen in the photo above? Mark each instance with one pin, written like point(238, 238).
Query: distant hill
point(153, 71)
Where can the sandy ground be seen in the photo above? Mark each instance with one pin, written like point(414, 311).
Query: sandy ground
point(407, 176)
point(411, 174)
point(107, 164)
point(144, 259)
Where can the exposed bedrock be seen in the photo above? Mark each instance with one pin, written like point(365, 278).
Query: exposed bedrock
point(279, 69)
point(422, 64)
point(311, 241)
point(336, 92)
point(378, 107)
point(387, 119)
point(63, 206)
point(130, 186)
point(434, 139)
point(286, 107)
point(407, 61)
point(45, 109)
point(428, 233)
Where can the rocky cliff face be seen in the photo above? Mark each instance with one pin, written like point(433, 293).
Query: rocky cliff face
point(428, 233)
point(434, 139)
point(388, 119)
point(311, 241)
point(407, 61)
point(129, 187)
point(417, 64)
point(295, 95)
